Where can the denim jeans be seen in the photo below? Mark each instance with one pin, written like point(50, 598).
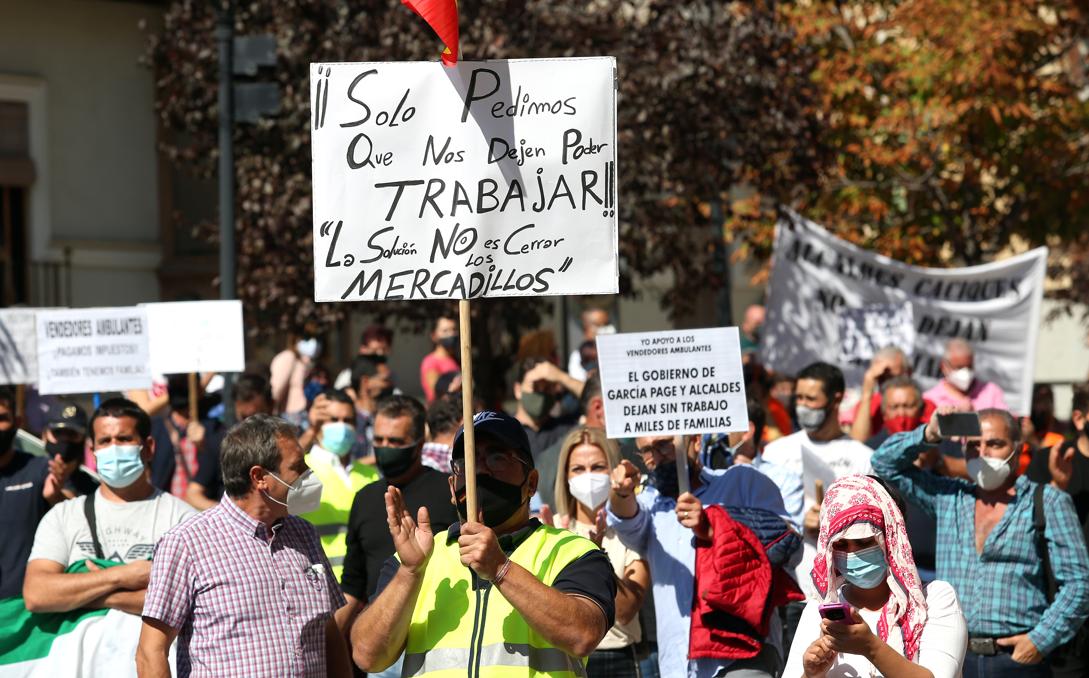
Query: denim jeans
point(1002, 665)
point(648, 667)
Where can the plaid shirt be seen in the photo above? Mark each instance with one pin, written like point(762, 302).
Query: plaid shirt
point(436, 456)
point(1003, 590)
point(245, 602)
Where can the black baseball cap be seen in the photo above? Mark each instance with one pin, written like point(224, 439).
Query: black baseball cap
point(500, 426)
point(68, 416)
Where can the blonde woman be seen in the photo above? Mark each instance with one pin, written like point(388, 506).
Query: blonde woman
point(586, 460)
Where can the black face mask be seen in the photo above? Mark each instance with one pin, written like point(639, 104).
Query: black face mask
point(384, 393)
point(7, 438)
point(394, 462)
point(497, 500)
point(68, 451)
point(664, 478)
point(450, 343)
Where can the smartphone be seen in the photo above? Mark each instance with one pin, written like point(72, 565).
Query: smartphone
point(959, 425)
point(837, 612)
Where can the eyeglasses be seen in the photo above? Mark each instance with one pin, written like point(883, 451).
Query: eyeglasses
point(496, 463)
point(662, 447)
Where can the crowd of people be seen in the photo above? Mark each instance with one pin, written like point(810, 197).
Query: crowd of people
point(328, 531)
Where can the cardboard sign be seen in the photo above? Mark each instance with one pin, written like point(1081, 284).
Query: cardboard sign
point(672, 383)
point(865, 331)
point(89, 350)
point(196, 336)
point(18, 346)
point(488, 179)
point(995, 307)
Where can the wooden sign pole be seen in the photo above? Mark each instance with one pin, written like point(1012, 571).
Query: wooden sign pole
point(194, 397)
point(682, 471)
point(20, 402)
point(469, 435)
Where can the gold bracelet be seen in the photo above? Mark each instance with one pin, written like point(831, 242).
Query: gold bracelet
point(503, 569)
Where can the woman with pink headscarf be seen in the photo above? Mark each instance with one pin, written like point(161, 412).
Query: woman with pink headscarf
point(893, 626)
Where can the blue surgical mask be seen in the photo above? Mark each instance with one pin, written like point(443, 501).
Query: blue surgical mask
point(337, 437)
point(119, 465)
point(864, 569)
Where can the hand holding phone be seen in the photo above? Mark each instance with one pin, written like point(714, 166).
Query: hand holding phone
point(836, 612)
point(959, 425)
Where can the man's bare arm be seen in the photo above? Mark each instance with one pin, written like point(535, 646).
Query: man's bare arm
point(47, 588)
point(152, 652)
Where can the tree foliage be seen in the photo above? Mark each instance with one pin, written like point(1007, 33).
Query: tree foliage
point(713, 95)
point(958, 128)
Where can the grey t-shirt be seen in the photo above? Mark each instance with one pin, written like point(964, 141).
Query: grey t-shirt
point(128, 531)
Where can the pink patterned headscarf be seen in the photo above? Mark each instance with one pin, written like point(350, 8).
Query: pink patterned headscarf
point(860, 499)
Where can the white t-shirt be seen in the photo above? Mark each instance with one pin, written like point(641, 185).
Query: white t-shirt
point(620, 635)
point(941, 648)
point(128, 531)
point(845, 456)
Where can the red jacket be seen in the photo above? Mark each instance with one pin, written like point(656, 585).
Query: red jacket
point(736, 591)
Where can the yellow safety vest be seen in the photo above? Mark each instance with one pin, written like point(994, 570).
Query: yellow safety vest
point(331, 518)
point(455, 629)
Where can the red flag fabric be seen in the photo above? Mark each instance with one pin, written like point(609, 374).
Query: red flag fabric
point(442, 16)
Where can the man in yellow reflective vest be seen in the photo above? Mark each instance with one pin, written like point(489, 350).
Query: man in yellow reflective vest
point(500, 595)
point(340, 476)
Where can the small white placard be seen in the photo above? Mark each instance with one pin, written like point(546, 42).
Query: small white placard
point(89, 350)
point(196, 336)
point(669, 383)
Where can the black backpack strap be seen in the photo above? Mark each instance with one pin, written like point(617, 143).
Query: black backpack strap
point(1039, 523)
point(89, 514)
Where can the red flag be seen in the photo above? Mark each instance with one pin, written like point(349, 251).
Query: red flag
point(442, 16)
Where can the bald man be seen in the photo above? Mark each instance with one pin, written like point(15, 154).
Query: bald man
point(750, 328)
point(959, 388)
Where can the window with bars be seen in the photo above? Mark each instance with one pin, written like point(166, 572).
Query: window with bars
point(16, 177)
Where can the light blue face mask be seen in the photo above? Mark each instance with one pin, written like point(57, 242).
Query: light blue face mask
point(864, 569)
point(337, 437)
point(119, 465)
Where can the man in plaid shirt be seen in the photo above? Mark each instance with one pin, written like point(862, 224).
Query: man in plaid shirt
point(986, 547)
point(245, 587)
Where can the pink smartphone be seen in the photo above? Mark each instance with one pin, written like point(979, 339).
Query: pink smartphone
point(837, 612)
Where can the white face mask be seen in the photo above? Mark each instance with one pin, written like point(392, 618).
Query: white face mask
point(308, 348)
point(590, 489)
point(961, 379)
point(810, 418)
point(303, 496)
point(989, 473)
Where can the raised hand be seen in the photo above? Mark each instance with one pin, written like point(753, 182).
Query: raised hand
point(413, 540)
point(1060, 463)
point(597, 534)
point(625, 478)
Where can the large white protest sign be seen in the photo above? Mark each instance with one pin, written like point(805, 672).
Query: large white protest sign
point(196, 336)
point(995, 307)
point(18, 346)
point(87, 350)
point(675, 382)
point(488, 179)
